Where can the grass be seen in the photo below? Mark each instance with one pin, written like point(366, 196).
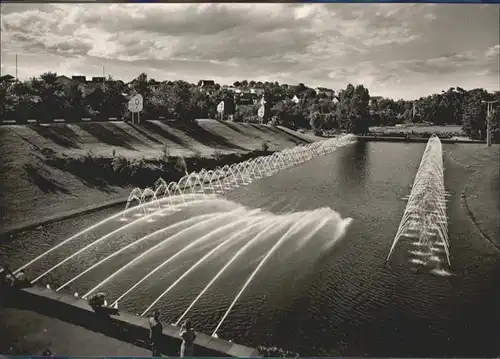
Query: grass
point(482, 190)
point(416, 128)
point(34, 187)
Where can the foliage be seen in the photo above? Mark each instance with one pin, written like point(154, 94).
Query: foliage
point(351, 110)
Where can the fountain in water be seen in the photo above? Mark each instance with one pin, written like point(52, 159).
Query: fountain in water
point(424, 220)
point(224, 179)
point(234, 225)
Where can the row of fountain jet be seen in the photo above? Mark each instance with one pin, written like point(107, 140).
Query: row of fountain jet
point(424, 220)
point(224, 179)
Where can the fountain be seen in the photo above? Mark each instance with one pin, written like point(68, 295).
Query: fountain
point(224, 179)
point(224, 224)
point(424, 218)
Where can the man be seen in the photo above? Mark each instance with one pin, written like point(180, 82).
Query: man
point(155, 333)
point(188, 337)
point(97, 301)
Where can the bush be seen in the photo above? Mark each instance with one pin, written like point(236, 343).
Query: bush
point(217, 154)
point(276, 352)
point(265, 146)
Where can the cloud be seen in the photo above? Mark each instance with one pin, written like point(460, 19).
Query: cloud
point(391, 48)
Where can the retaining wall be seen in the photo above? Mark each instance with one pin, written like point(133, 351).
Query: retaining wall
point(123, 326)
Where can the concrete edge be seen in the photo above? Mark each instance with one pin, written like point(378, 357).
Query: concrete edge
point(123, 326)
point(404, 139)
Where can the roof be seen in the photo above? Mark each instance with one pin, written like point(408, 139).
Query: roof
point(207, 82)
point(324, 89)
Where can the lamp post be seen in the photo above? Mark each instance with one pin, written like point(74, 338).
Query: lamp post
point(488, 120)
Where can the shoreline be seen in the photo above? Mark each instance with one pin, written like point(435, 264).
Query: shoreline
point(414, 139)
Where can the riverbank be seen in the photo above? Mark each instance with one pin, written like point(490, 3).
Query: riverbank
point(481, 194)
point(382, 138)
point(42, 176)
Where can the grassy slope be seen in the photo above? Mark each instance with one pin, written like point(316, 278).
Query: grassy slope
point(30, 191)
point(483, 188)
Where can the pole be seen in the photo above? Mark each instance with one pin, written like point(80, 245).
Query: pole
point(489, 111)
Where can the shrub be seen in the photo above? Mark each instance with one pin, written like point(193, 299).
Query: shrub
point(265, 146)
point(165, 153)
point(217, 154)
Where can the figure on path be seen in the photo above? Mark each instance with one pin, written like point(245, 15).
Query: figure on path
point(188, 337)
point(155, 333)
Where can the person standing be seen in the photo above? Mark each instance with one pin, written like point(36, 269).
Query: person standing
point(188, 337)
point(155, 333)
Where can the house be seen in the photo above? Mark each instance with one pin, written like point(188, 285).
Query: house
point(98, 79)
point(64, 80)
point(80, 79)
point(246, 99)
point(257, 91)
point(7, 78)
point(206, 86)
point(324, 91)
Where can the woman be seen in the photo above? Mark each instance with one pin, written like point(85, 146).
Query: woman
point(188, 337)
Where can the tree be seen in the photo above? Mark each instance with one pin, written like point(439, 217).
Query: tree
point(474, 115)
point(179, 101)
point(352, 110)
point(316, 121)
point(330, 122)
point(51, 94)
point(75, 109)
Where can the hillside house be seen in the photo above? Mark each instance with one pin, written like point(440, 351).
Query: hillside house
point(80, 79)
point(206, 86)
point(324, 91)
point(7, 78)
point(257, 91)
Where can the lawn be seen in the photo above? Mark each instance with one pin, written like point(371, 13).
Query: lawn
point(32, 191)
point(415, 128)
point(483, 189)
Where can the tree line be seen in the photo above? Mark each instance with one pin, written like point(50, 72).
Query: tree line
point(351, 109)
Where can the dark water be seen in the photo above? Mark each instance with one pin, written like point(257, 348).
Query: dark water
point(318, 297)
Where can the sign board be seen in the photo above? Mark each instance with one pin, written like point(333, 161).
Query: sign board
point(220, 107)
point(136, 103)
point(261, 112)
point(295, 99)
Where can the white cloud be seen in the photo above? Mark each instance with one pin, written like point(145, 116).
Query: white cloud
point(393, 49)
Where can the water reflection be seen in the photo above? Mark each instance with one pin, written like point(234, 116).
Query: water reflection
point(355, 163)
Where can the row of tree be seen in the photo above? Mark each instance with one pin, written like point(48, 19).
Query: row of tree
point(351, 109)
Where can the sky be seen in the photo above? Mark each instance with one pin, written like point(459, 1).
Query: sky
point(395, 50)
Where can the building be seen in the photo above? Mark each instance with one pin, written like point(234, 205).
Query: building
point(7, 78)
point(80, 79)
point(257, 91)
point(324, 91)
point(206, 86)
point(246, 99)
point(64, 80)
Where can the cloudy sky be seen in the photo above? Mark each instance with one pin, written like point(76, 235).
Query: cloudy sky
point(396, 50)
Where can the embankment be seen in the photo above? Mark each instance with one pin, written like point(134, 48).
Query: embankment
point(122, 326)
point(39, 179)
point(481, 196)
